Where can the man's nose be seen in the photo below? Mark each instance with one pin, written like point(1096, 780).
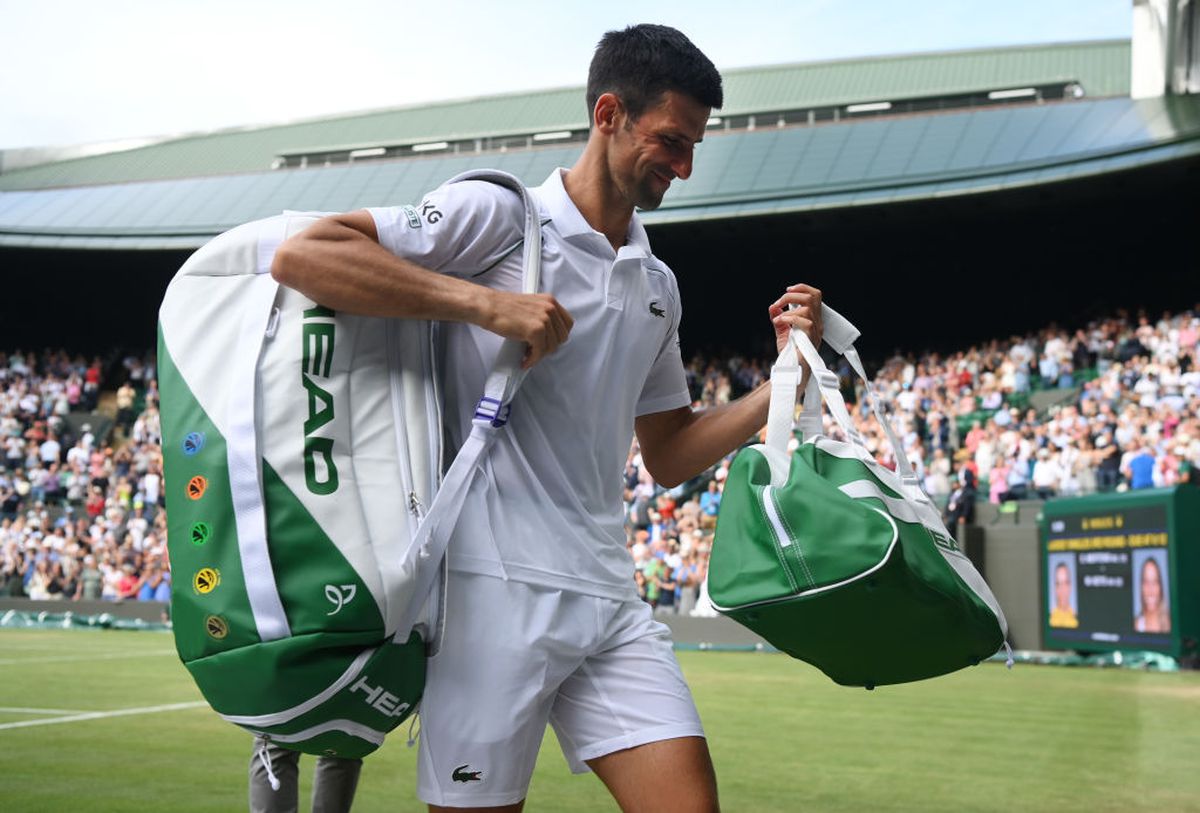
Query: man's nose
point(682, 167)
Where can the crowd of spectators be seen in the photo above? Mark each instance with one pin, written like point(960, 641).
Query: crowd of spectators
point(80, 510)
point(1126, 415)
point(81, 516)
point(1121, 410)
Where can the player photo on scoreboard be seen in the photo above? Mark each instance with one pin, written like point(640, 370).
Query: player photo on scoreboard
point(1151, 608)
point(1063, 604)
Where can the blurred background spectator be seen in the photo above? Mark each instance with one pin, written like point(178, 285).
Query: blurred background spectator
point(80, 493)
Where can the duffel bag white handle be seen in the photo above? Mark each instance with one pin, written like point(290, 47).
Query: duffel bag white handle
point(839, 334)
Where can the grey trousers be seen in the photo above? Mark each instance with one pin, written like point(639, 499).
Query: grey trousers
point(334, 781)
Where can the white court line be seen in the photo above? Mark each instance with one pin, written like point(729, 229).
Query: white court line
point(111, 656)
point(23, 710)
point(99, 715)
point(7, 646)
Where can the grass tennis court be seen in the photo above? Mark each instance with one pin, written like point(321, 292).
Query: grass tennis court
point(783, 737)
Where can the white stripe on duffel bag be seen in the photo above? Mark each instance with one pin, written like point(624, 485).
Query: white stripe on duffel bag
point(906, 511)
point(899, 508)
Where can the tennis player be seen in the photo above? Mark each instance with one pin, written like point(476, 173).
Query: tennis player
point(543, 624)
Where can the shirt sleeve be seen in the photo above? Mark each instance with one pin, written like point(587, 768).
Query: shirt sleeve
point(461, 229)
point(666, 384)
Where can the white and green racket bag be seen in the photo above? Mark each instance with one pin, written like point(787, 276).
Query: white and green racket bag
point(307, 517)
point(834, 558)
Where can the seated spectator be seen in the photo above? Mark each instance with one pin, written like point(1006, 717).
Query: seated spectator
point(1046, 475)
point(998, 481)
point(155, 585)
point(1138, 466)
point(91, 580)
point(960, 510)
point(710, 505)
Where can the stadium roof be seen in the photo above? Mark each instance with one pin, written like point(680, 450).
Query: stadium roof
point(747, 173)
point(179, 194)
point(1101, 68)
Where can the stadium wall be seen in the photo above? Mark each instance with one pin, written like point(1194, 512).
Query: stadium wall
point(151, 611)
point(1004, 547)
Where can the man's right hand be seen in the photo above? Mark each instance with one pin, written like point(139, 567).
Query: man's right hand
point(538, 320)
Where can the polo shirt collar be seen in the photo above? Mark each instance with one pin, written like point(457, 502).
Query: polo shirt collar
point(569, 222)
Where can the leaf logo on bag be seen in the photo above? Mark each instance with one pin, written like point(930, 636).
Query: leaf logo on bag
point(206, 580)
point(193, 443)
point(339, 596)
point(216, 627)
point(201, 531)
point(196, 487)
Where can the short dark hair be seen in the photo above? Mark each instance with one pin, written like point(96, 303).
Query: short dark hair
point(644, 61)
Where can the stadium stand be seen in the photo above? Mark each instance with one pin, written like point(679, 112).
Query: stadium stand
point(81, 512)
point(81, 494)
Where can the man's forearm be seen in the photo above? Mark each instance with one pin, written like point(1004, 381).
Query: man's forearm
point(335, 263)
point(679, 445)
point(339, 263)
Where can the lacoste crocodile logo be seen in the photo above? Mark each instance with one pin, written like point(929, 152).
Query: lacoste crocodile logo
point(657, 311)
point(462, 775)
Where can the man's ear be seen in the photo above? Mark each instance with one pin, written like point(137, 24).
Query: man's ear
point(608, 113)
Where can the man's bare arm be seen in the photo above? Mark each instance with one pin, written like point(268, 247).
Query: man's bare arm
point(681, 443)
point(339, 263)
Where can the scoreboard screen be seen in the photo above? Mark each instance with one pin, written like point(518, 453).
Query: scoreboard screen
point(1108, 576)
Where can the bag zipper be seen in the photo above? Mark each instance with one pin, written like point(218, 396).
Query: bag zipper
point(403, 453)
point(433, 405)
point(782, 539)
point(791, 545)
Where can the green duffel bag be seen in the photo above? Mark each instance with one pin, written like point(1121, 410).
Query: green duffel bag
point(837, 560)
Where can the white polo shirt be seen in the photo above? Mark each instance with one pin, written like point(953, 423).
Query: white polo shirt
point(546, 504)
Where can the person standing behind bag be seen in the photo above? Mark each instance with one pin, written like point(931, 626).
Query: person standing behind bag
point(538, 564)
point(335, 781)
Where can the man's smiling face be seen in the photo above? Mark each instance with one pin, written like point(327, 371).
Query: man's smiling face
point(649, 153)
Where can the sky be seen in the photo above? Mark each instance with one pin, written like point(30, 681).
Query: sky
point(75, 72)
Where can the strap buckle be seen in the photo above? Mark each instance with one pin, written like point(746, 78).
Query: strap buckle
point(828, 380)
point(493, 411)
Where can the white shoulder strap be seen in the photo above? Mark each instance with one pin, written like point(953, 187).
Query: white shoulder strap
point(507, 375)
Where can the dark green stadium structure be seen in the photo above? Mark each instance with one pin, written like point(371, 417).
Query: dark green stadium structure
point(941, 198)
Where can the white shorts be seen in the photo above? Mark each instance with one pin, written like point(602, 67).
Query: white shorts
point(514, 656)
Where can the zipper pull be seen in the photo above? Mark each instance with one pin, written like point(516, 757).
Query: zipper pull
point(414, 504)
point(412, 740)
point(264, 756)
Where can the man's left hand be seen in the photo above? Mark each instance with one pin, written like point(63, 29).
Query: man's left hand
point(806, 315)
